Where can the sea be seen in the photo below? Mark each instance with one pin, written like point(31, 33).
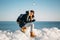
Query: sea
point(12, 25)
point(44, 30)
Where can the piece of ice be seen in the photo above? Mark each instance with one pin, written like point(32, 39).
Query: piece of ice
point(41, 34)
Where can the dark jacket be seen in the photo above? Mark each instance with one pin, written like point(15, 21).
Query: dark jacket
point(24, 19)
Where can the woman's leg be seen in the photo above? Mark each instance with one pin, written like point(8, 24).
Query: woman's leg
point(32, 27)
point(32, 34)
point(23, 28)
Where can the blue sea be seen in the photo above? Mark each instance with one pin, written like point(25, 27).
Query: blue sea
point(12, 25)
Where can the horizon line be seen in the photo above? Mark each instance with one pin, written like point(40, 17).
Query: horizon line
point(43, 21)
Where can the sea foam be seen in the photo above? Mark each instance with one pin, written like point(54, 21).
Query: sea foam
point(41, 34)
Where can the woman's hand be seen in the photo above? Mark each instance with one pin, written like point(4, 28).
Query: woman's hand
point(30, 17)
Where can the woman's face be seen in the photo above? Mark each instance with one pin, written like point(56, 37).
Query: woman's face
point(31, 13)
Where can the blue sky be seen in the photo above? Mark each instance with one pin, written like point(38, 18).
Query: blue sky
point(45, 10)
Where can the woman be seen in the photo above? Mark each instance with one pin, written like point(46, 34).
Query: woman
point(26, 21)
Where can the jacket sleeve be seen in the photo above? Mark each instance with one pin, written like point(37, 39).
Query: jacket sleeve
point(33, 20)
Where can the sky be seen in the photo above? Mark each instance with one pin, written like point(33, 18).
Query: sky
point(45, 10)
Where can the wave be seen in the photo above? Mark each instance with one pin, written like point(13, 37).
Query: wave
point(41, 34)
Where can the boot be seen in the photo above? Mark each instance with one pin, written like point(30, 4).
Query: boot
point(32, 34)
point(23, 29)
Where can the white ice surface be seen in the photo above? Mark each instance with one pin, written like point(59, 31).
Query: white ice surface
point(41, 34)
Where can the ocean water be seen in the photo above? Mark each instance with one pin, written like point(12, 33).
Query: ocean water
point(10, 30)
point(12, 25)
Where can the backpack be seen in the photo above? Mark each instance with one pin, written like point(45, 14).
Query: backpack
point(19, 18)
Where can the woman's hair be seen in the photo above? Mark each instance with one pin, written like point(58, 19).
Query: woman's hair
point(32, 11)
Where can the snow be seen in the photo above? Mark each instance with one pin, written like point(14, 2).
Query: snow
point(41, 34)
